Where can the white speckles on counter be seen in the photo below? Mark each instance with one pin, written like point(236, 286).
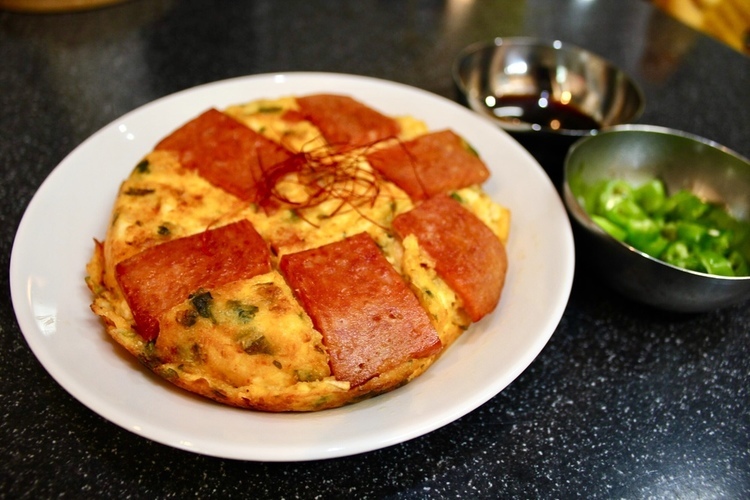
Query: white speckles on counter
point(624, 401)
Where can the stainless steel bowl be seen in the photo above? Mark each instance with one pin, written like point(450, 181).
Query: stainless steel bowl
point(514, 81)
point(636, 153)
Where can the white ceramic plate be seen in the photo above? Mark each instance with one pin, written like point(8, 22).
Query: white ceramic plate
point(55, 241)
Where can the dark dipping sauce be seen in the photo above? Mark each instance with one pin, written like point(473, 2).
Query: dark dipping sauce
point(547, 113)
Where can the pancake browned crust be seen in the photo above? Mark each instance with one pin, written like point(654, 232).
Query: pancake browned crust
point(251, 257)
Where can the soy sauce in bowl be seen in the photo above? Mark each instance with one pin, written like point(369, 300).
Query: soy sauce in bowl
point(542, 112)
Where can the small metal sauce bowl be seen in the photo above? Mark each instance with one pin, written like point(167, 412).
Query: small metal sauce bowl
point(636, 153)
point(550, 72)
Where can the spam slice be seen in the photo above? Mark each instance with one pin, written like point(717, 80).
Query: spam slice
point(225, 152)
point(345, 121)
point(165, 275)
point(431, 164)
point(468, 256)
point(370, 320)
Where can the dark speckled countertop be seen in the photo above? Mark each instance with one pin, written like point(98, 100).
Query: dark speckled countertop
point(623, 402)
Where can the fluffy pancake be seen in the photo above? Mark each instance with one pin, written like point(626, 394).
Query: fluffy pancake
point(257, 258)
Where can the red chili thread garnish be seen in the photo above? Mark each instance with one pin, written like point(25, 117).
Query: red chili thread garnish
point(334, 172)
point(327, 172)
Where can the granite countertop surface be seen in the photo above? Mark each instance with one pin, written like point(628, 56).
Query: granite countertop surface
point(623, 402)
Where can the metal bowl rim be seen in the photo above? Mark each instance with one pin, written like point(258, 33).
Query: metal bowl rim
point(656, 129)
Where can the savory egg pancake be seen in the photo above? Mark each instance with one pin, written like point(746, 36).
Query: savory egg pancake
point(300, 253)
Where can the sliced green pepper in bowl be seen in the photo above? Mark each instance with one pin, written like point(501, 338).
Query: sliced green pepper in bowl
point(682, 229)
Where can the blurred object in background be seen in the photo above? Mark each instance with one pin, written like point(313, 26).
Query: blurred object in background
point(726, 20)
point(666, 44)
point(47, 6)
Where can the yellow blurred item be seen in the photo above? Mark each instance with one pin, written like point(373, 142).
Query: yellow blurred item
point(726, 20)
point(48, 6)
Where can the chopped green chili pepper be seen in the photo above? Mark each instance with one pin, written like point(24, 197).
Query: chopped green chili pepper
point(691, 232)
point(651, 195)
point(679, 254)
point(614, 230)
point(202, 300)
point(739, 264)
point(685, 205)
point(611, 194)
point(655, 247)
point(682, 229)
point(624, 210)
point(718, 240)
point(715, 263)
point(641, 231)
point(142, 167)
